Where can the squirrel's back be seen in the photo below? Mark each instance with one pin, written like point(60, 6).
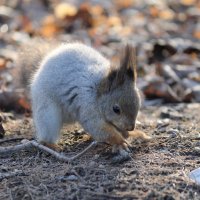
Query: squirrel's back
point(71, 64)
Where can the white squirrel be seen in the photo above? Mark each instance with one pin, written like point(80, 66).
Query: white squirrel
point(75, 83)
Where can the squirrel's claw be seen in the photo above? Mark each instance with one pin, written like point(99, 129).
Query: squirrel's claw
point(120, 148)
point(123, 153)
point(125, 147)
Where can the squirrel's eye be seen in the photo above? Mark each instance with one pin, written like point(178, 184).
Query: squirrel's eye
point(116, 109)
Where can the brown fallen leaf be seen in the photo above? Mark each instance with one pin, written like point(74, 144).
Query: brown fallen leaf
point(166, 14)
point(188, 2)
point(85, 15)
point(26, 24)
point(64, 10)
point(2, 63)
point(159, 89)
point(196, 34)
point(97, 10)
point(114, 21)
point(49, 27)
point(154, 11)
point(124, 4)
point(24, 103)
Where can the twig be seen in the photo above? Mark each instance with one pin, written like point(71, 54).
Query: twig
point(10, 139)
point(27, 144)
point(10, 194)
point(28, 190)
point(19, 147)
point(108, 196)
point(10, 174)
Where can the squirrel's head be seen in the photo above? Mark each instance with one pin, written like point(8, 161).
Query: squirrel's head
point(118, 96)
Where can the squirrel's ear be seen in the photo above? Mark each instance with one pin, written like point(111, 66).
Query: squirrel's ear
point(128, 63)
point(117, 76)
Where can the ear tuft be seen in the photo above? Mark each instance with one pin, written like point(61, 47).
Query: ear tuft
point(128, 62)
point(117, 76)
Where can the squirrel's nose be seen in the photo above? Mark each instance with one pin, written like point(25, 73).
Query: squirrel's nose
point(130, 127)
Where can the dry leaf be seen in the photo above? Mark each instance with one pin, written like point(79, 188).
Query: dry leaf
point(154, 11)
point(166, 14)
point(98, 17)
point(196, 34)
point(99, 20)
point(24, 103)
point(2, 63)
point(85, 15)
point(124, 3)
point(49, 27)
point(64, 10)
point(114, 21)
point(26, 24)
point(188, 2)
point(126, 31)
point(97, 10)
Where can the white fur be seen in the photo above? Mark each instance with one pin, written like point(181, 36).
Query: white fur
point(63, 90)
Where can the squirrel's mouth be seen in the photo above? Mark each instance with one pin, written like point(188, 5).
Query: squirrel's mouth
point(112, 124)
point(124, 133)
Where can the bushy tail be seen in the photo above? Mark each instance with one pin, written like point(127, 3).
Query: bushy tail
point(29, 58)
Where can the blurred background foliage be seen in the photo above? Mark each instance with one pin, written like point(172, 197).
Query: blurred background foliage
point(165, 33)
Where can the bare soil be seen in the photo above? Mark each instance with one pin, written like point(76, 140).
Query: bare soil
point(157, 170)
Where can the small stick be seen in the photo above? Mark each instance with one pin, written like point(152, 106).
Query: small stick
point(12, 149)
point(27, 144)
point(10, 174)
point(110, 196)
point(10, 139)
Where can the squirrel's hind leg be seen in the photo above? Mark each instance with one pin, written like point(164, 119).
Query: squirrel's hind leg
point(48, 120)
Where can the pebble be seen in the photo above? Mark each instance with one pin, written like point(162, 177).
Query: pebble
point(197, 144)
point(92, 163)
point(196, 93)
point(96, 156)
point(162, 129)
point(173, 132)
point(193, 106)
point(80, 131)
point(197, 149)
point(170, 113)
point(71, 178)
point(67, 177)
point(101, 166)
point(162, 123)
point(154, 102)
point(6, 12)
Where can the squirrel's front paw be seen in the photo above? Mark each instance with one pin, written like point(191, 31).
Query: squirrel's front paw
point(120, 148)
point(123, 153)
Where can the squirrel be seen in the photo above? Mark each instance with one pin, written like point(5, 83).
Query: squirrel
point(75, 83)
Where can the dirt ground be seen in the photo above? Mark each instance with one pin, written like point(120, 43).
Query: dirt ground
point(157, 170)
